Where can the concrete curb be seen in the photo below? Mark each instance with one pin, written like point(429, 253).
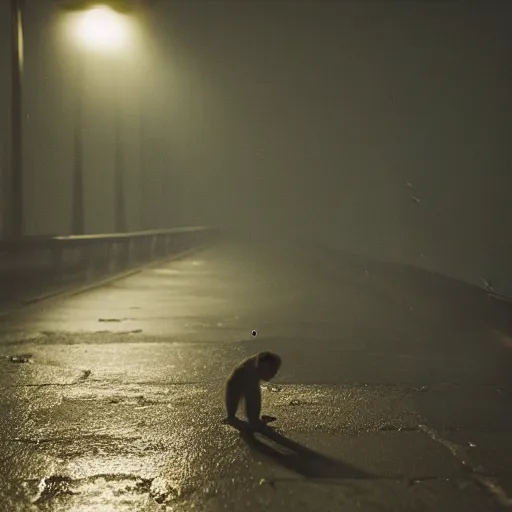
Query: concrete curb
point(71, 290)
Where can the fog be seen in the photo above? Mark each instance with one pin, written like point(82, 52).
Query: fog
point(377, 128)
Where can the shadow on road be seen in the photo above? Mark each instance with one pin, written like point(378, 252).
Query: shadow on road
point(296, 457)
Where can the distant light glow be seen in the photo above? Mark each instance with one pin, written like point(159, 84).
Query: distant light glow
point(102, 28)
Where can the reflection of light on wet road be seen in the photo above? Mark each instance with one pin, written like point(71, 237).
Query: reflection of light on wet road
point(166, 271)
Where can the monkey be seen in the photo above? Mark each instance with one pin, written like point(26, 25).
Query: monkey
point(244, 382)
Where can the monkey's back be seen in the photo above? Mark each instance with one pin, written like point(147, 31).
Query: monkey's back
point(245, 370)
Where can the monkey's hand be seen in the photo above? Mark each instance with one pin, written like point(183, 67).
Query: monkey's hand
point(229, 420)
point(268, 419)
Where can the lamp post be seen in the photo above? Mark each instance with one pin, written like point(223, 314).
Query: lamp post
point(14, 203)
point(143, 204)
point(103, 30)
point(119, 196)
point(78, 212)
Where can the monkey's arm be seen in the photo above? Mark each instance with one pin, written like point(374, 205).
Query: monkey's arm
point(252, 395)
point(234, 390)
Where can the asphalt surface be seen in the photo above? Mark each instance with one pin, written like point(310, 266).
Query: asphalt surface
point(394, 394)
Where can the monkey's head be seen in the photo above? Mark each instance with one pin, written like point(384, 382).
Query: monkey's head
point(267, 364)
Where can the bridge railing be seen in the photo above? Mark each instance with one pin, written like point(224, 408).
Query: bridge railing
point(87, 257)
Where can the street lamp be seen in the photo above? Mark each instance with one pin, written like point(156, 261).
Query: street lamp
point(100, 29)
point(14, 203)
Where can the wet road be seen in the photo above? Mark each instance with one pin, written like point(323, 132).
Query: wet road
point(394, 393)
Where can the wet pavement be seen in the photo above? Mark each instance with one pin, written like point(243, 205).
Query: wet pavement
point(394, 393)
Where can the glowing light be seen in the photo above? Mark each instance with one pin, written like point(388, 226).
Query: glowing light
point(102, 28)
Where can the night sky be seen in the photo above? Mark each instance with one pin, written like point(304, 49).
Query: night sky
point(301, 119)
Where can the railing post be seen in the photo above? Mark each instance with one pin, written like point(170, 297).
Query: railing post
point(87, 255)
point(168, 244)
point(56, 251)
point(128, 252)
point(153, 248)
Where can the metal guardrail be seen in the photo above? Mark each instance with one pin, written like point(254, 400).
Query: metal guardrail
point(89, 256)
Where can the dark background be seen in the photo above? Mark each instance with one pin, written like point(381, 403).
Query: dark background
point(301, 119)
